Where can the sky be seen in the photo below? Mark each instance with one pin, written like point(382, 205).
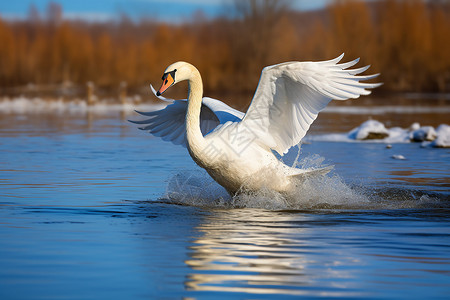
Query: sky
point(163, 10)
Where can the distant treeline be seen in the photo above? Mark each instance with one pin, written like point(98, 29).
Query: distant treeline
point(408, 42)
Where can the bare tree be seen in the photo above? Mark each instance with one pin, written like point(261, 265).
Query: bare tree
point(54, 14)
point(255, 32)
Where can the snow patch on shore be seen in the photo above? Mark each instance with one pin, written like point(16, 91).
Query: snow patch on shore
point(23, 105)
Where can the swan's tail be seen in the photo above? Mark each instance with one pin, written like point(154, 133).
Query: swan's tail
point(305, 173)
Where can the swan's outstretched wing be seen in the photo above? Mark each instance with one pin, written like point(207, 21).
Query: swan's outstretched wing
point(290, 95)
point(169, 122)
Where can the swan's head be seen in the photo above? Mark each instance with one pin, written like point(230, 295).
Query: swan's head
point(175, 73)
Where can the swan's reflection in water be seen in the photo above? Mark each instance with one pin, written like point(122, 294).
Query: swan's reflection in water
point(260, 252)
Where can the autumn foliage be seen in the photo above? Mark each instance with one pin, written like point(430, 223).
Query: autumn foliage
point(408, 42)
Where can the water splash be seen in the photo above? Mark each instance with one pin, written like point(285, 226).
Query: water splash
point(197, 188)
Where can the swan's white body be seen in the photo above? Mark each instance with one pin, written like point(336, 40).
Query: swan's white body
point(237, 149)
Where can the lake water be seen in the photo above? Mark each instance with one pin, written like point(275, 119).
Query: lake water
point(92, 208)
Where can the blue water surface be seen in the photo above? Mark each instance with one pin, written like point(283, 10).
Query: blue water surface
point(85, 214)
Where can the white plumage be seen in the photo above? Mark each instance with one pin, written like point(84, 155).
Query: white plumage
point(236, 149)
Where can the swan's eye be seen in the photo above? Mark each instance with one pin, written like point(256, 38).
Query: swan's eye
point(171, 74)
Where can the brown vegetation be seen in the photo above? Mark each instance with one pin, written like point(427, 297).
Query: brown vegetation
point(407, 41)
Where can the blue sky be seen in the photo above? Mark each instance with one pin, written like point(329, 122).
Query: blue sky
point(165, 10)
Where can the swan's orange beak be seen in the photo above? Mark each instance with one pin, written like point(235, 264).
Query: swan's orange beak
point(168, 80)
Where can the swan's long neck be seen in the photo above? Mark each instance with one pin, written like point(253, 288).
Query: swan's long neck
point(195, 139)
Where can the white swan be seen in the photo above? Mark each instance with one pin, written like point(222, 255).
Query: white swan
point(236, 149)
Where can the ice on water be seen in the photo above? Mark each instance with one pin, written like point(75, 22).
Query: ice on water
point(375, 131)
point(442, 137)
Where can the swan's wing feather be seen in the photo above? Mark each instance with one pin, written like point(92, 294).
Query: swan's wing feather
point(208, 120)
point(290, 96)
point(223, 112)
point(166, 123)
point(169, 122)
